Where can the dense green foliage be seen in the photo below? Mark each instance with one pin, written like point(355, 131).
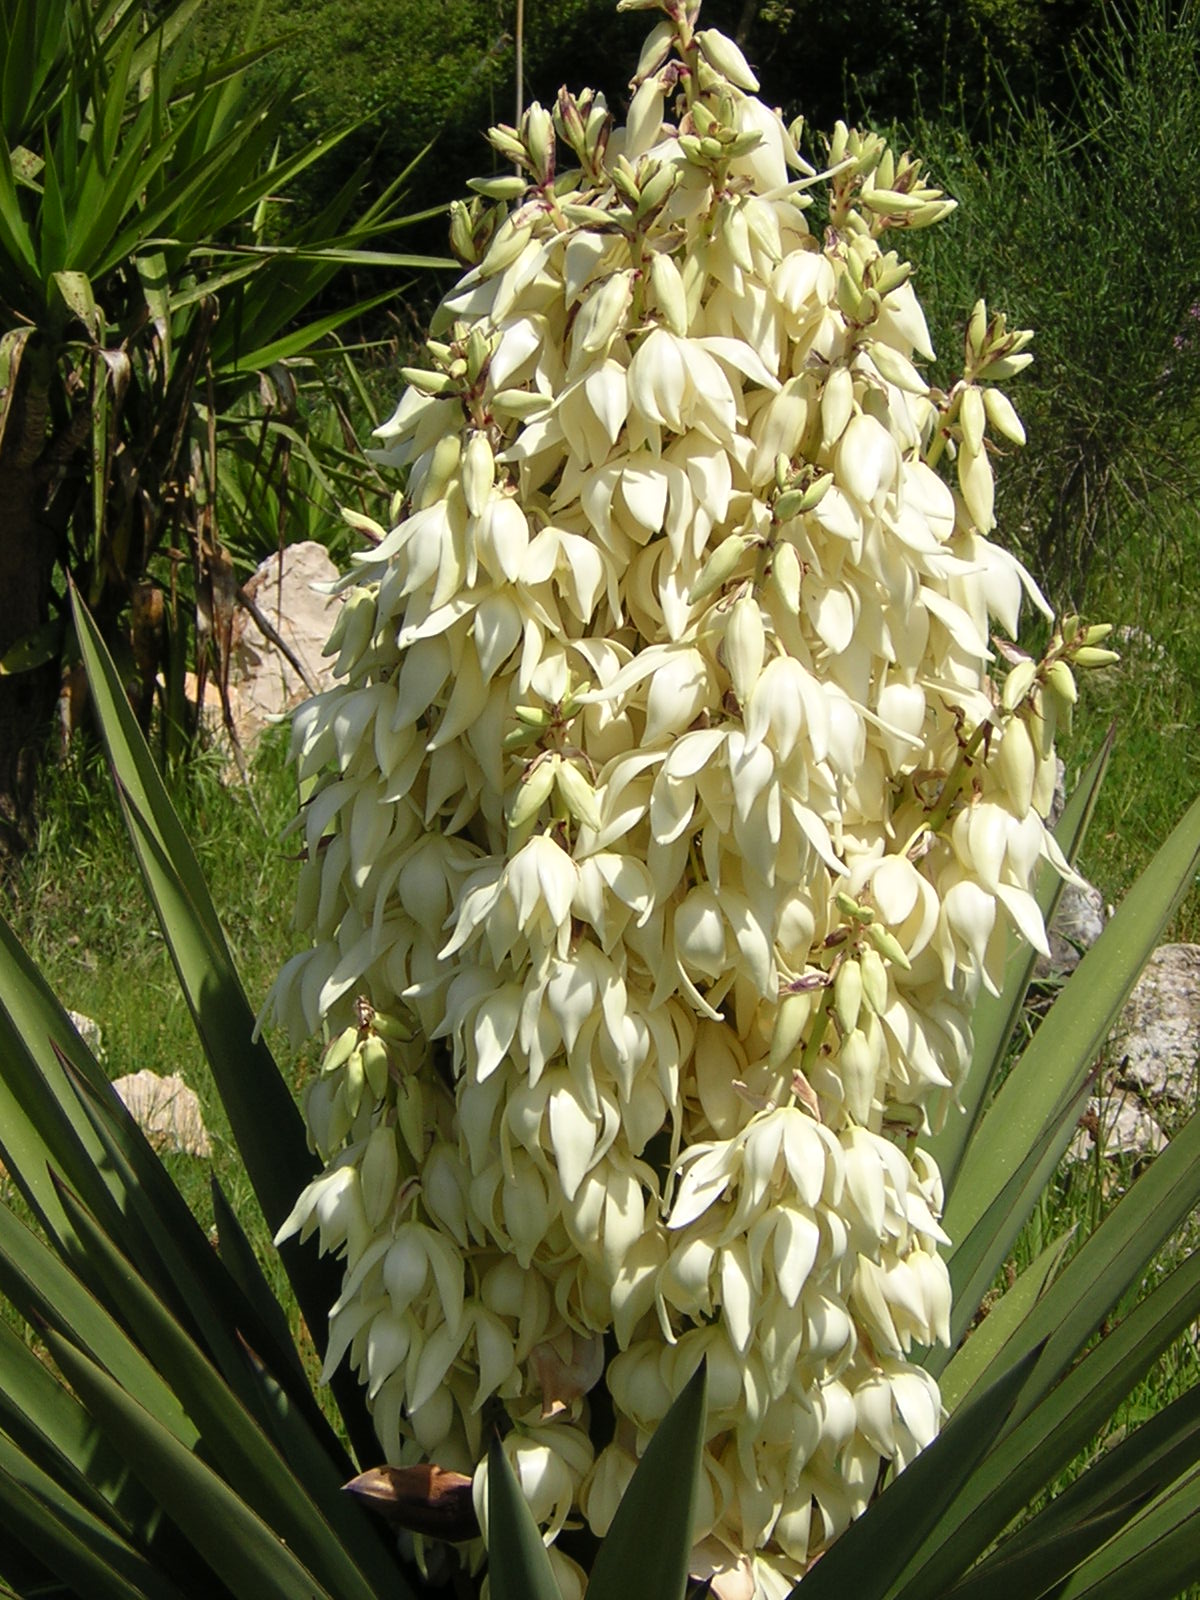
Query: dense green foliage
point(444, 70)
point(1083, 226)
point(149, 278)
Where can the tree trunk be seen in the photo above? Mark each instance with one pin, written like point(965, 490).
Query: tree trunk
point(27, 551)
point(746, 22)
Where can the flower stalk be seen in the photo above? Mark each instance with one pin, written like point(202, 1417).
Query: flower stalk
point(620, 823)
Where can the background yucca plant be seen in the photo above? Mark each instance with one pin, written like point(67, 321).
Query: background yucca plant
point(150, 275)
point(158, 1436)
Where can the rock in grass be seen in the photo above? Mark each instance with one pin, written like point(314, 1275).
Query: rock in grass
point(1156, 1042)
point(167, 1112)
point(1122, 1124)
point(89, 1031)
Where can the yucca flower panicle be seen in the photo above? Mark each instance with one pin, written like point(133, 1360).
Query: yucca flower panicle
point(676, 802)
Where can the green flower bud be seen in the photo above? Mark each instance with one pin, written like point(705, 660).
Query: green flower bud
point(725, 57)
point(431, 383)
point(972, 418)
point(520, 403)
point(577, 794)
point(888, 946)
point(502, 187)
point(339, 1050)
point(1060, 680)
point(1018, 684)
point(532, 792)
point(848, 994)
point(720, 566)
point(1089, 656)
point(874, 979)
point(1002, 415)
point(375, 1065)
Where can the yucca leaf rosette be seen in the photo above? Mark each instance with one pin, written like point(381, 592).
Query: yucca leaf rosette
point(672, 810)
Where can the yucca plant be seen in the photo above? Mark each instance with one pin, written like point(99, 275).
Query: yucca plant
point(544, 1242)
point(149, 272)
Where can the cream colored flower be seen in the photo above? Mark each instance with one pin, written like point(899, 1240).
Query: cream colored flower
point(664, 828)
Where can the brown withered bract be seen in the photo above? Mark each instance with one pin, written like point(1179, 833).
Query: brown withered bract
point(424, 1499)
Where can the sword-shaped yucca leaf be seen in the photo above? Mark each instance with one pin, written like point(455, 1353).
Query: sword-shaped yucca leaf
point(1039, 1568)
point(44, 1420)
point(1026, 1460)
point(178, 1263)
point(45, 1291)
point(58, 1111)
point(995, 1017)
point(266, 1124)
point(873, 1552)
point(1145, 1463)
point(243, 1267)
point(1109, 1264)
point(41, 1120)
point(1002, 1320)
point(234, 1441)
point(518, 1566)
point(80, 1548)
point(645, 1551)
point(976, 1260)
point(1072, 1034)
point(246, 1555)
point(1155, 1554)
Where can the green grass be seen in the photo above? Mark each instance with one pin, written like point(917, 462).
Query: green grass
point(1150, 590)
point(78, 905)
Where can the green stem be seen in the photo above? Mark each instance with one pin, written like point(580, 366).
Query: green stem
point(953, 784)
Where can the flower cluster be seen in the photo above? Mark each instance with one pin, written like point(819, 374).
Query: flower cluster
point(667, 822)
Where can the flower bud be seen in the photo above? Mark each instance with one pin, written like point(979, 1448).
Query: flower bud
point(1018, 684)
point(1002, 415)
point(502, 187)
point(426, 382)
point(670, 297)
point(1016, 765)
point(972, 418)
point(520, 403)
point(888, 945)
point(339, 1050)
point(577, 793)
point(539, 140)
point(1060, 680)
point(375, 1065)
point(602, 312)
point(478, 472)
point(1089, 656)
point(976, 332)
point(874, 979)
point(726, 58)
point(380, 1171)
point(745, 645)
point(837, 404)
point(532, 792)
point(848, 994)
point(786, 575)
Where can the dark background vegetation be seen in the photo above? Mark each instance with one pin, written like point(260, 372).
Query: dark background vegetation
point(440, 71)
